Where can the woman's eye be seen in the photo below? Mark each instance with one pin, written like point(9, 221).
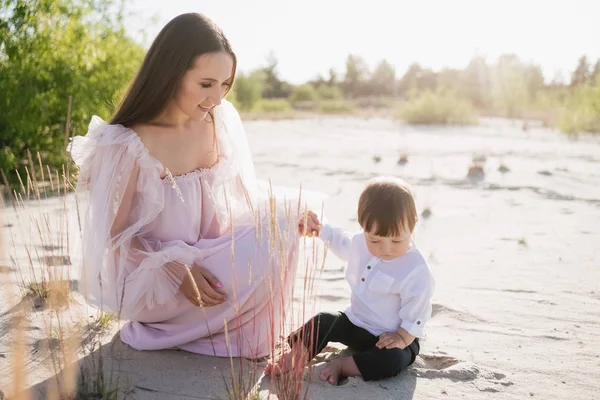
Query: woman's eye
point(206, 85)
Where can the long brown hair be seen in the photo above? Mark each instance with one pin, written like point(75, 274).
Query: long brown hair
point(172, 53)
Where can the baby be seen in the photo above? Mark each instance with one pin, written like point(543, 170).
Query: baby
point(391, 290)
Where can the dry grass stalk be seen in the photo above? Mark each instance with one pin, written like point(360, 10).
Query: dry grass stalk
point(104, 320)
point(241, 384)
point(17, 327)
point(50, 281)
point(68, 124)
point(290, 385)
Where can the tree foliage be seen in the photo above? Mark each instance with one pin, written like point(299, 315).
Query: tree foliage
point(50, 50)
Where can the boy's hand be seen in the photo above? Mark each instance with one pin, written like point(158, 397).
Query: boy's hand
point(390, 340)
point(309, 224)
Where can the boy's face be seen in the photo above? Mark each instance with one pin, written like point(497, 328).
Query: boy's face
point(388, 247)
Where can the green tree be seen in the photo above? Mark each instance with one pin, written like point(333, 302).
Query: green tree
point(305, 92)
point(317, 82)
point(274, 87)
point(476, 82)
point(383, 79)
point(247, 89)
point(450, 80)
point(333, 78)
point(357, 75)
point(417, 78)
point(534, 78)
point(408, 82)
point(330, 93)
point(510, 91)
point(596, 73)
point(581, 75)
point(582, 112)
point(50, 50)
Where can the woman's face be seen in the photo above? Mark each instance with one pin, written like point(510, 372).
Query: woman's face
point(204, 85)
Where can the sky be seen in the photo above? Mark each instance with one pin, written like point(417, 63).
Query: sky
point(309, 37)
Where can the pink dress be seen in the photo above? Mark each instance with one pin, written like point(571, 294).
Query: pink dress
point(218, 218)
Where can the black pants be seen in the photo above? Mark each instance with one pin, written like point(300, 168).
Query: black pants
point(372, 362)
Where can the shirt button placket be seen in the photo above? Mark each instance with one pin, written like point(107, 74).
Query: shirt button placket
point(368, 268)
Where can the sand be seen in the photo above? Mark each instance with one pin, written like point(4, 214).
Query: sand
point(515, 255)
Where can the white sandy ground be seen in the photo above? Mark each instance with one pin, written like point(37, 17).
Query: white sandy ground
point(516, 259)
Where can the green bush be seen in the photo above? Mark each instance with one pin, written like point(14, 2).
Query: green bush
point(303, 93)
point(375, 102)
point(307, 106)
point(247, 90)
point(329, 93)
point(272, 106)
point(436, 108)
point(582, 110)
point(579, 120)
point(335, 107)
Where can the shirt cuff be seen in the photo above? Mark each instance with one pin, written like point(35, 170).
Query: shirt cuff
point(326, 233)
point(414, 328)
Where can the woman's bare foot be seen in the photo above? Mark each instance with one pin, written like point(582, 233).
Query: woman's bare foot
point(292, 359)
point(332, 371)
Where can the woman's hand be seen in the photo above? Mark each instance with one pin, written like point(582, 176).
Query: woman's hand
point(201, 287)
point(312, 227)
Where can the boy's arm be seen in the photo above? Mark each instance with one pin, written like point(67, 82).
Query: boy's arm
point(406, 337)
point(338, 241)
point(416, 307)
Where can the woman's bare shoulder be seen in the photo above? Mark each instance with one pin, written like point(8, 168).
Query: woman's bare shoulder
point(150, 136)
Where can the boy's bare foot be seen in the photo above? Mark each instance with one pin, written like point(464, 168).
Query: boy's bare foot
point(281, 366)
point(292, 359)
point(332, 371)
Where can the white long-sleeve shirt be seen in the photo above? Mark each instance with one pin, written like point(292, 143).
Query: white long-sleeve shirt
point(386, 295)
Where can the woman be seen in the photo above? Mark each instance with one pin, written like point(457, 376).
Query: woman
point(175, 236)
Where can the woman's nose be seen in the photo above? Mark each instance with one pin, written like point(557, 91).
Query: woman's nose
point(217, 96)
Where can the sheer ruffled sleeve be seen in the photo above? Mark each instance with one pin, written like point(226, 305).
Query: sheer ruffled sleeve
point(248, 193)
point(235, 146)
point(119, 196)
point(234, 187)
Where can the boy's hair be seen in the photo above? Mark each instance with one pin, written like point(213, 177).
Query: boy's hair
point(387, 203)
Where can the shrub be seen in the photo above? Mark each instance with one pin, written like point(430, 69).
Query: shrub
point(272, 105)
point(436, 108)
